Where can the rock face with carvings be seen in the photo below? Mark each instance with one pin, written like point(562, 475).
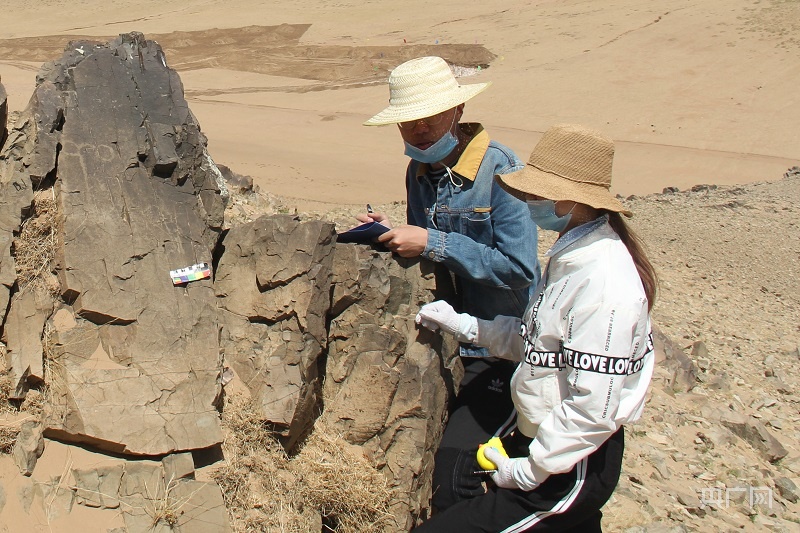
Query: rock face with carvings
point(136, 197)
point(108, 169)
point(105, 187)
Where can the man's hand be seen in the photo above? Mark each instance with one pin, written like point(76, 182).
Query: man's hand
point(374, 217)
point(511, 473)
point(406, 241)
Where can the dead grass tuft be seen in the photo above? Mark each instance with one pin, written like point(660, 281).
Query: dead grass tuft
point(338, 480)
point(6, 388)
point(32, 406)
point(8, 433)
point(8, 437)
point(250, 480)
point(328, 482)
point(35, 246)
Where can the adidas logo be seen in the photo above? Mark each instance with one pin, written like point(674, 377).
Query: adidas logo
point(496, 385)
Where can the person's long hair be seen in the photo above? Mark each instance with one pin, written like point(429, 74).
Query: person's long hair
point(635, 247)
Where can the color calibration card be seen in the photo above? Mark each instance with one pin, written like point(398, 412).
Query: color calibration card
point(191, 273)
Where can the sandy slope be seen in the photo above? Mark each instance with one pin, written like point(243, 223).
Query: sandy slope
point(694, 92)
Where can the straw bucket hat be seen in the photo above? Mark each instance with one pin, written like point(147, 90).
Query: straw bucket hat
point(569, 162)
point(422, 88)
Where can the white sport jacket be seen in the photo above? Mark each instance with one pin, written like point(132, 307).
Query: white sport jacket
point(585, 350)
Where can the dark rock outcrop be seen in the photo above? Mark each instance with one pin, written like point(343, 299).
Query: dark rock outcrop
point(134, 360)
point(134, 365)
point(3, 115)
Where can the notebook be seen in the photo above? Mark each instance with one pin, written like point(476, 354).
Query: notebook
point(363, 234)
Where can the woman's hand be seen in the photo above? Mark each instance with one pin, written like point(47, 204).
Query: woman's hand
point(441, 315)
point(512, 473)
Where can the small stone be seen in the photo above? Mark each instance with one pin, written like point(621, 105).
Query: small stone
point(699, 350)
point(662, 469)
point(636, 480)
point(688, 500)
point(787, 489)
point(721, 381)
point(28, 447)
point(792, 465)
point(738, 400)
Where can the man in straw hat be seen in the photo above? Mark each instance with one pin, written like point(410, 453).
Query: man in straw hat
point(458, 216)
point(584, 349)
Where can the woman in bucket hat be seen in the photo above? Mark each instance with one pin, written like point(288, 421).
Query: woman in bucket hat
point(459, 217)
point(584, 349)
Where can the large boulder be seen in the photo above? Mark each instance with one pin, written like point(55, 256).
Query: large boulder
point(273, 286)
point(384, 386)
point(132, 360)
point(108, 166)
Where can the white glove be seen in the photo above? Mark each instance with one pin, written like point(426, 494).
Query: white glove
point(512, 473)
point(441, 315)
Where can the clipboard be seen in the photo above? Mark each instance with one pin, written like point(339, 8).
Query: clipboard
point(363, 234)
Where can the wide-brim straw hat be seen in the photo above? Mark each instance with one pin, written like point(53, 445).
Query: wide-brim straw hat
point(421, 88)
point(570, 162)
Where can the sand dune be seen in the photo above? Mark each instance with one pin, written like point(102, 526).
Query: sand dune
point(693, 92)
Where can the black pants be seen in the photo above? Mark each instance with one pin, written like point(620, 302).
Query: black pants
point(482, 408)
point(568, 502)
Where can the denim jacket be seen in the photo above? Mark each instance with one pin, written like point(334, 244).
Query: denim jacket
point(480, 232)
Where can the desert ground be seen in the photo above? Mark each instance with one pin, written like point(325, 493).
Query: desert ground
point(692, 92)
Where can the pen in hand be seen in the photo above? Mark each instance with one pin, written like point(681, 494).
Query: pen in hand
point(372, 217)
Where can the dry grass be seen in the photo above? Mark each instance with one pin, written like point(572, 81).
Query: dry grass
point(32, 406)
point(163, 507)
point(338, 480)
point(8, 432)
point(326, 487)
point(6, 384)
point(34, 248)
point(251, 473)
point(8, 437)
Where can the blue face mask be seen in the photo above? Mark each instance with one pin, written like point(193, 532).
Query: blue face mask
point(435, 152)
point(543, 214)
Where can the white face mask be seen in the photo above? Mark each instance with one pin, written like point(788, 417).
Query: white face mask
point(435, 152)
point(543, 214)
